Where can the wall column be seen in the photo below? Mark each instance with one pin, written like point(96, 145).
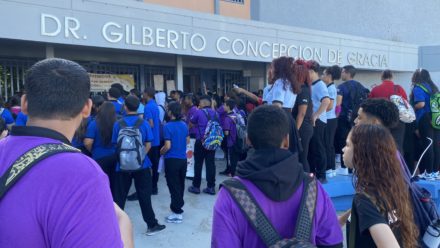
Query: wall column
point(179, 72)
point(217, 7)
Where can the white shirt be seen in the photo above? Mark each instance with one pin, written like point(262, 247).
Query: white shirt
point(282, 94)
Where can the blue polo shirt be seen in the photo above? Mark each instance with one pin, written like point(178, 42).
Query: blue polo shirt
point(176, 132)
point(151, 112)
point(99, 149)
point(145, 129)
point(319, 92)
point(332, 92)
point(21, 119)
point(420, 95)
point(118, 107)
point(7, 116)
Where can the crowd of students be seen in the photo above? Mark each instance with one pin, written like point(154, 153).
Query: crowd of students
point(304, 122)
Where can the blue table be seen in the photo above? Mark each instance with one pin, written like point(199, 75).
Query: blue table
point(341, 191)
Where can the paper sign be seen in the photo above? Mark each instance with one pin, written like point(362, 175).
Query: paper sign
point(171, 85)
point(158, 82)
point(103, 82)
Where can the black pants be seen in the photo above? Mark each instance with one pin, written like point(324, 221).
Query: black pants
point(398, 133)
point(108, 165)
point(233, 157)
point(426, 131)
point(226, 151)
point(409, 146)
point(317, 155)
point(294, 143)
point(344, 127)
point(154, 155)
point(142, 183)
point(200, 155)
point(175, 173)
point(330, 130)
point(305, 134)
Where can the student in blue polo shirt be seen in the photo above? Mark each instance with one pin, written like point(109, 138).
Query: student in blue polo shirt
point(21, 119)
point(98, 140)
point(321, 101)
point(5, 114)
point(176, 138)
point(151, 115)
point(113, 95)
point(142, 178)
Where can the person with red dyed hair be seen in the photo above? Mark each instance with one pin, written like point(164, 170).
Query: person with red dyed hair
point(303, 110)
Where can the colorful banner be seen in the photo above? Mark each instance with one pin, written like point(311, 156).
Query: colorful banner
point(103, 82)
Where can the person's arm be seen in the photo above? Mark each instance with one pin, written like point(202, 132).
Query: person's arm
point(330, 106)
point(147, 147)
point(344, 217)
point(166, 147)
point(88, 144)
point(383, 236)
point(252, 96)
point(339, 100)
point(419, 105)
point(324, 104)
point(419, 97)
point(302, 110)
point(125, 227)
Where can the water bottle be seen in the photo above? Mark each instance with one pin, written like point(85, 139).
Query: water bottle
point(431, 238)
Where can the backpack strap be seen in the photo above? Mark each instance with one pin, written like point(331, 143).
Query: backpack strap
point(424, 89)
point(208, 116)
point(122, 123)
point(250, 208)
point(138, 123)
point(26, 161)
point(306, 215)
point(353, 224)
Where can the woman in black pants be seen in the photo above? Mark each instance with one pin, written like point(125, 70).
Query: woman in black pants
point(330, 75)
point(423, 88)
point(302, 112)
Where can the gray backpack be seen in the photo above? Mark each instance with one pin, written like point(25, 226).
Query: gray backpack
point(130, 148)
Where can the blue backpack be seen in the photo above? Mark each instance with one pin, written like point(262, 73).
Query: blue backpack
point(213, 137)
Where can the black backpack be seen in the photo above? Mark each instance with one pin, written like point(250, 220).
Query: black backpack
point(358, 94)
point(259, 221)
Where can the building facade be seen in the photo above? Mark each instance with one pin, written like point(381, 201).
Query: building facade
point(182, 44)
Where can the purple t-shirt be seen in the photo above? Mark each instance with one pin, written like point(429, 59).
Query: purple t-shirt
point(232, 229)
point(229, 125)
point(200, 121)
point(221, 114)
point(192, 111)
point(64, 201)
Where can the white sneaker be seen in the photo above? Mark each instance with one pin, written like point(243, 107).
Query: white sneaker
point(343, 171)
point(174, 218)
point(328, 173)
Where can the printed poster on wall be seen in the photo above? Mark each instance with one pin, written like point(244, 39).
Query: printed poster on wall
point(171, 85)
point(190, 158)
point(158, 82)
point(103, 82)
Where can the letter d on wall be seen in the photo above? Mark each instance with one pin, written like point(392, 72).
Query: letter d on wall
point(47, 19)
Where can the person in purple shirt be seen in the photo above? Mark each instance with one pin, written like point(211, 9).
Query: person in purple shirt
point(230, 131)
point(64, 200)
point(274, 177)
point(191, 106)
point(200, 121)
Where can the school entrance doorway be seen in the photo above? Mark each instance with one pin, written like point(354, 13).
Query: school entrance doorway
point(218, 81)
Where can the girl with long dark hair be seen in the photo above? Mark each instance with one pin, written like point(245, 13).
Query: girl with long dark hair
point(303, 110)
point(282, 93)
point(382, 213)
point(423, 89)
point(329, 76)
point(99, 139)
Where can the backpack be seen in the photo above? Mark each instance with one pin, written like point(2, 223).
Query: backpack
point(129, 148)
point(358, 94)
point(434, 103)
point(240, 145)
point(213, 137)
point(406, 112)
point(262, 225)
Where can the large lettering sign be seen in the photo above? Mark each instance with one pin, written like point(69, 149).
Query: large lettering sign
point(197, 43)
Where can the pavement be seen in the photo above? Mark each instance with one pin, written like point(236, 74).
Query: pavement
point(194, 232)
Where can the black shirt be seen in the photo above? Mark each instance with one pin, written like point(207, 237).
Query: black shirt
point(368, 215)
point(304, 98)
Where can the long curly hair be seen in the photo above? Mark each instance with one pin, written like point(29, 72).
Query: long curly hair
point(301, 72)
point(282, 69)
point(379, 174)
point(105, 119)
